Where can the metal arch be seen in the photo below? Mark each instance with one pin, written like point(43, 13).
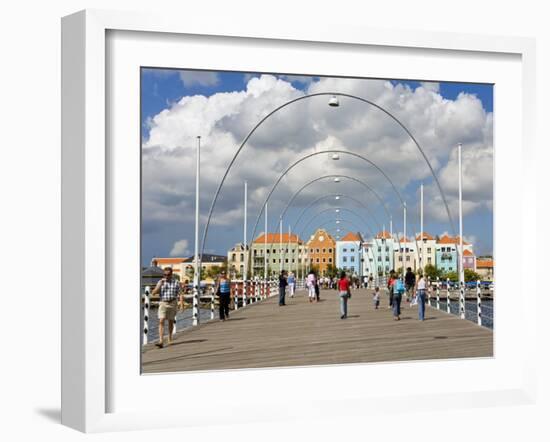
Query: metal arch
point(335, 176)
point(303, 97)
point(328, 196)
point(345, 196)
point(321, 226)
point(330, 209)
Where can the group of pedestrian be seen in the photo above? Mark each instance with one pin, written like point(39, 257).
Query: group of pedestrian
point(412, 286)
point(170, 291)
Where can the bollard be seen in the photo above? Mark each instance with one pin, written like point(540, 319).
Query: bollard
point(236, 296)
point(478, 290)
point(437, 290)
point(146, 304)
point(462, 301)
point(448, 296)
point(212, 301)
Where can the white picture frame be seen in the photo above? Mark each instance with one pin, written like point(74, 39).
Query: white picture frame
point(86, 212)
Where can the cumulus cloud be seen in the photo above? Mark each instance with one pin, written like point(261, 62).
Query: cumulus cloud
point(180, 248)
point(201, 78)
point(224, 120)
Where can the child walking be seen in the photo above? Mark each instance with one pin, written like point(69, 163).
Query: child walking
point(376, 297)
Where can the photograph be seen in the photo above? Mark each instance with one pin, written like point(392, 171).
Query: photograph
point(298, 220)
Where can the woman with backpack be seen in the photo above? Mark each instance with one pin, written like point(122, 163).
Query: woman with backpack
point(398, 290)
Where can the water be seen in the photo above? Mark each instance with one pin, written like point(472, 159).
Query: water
point(183, 320)
point(471, 310)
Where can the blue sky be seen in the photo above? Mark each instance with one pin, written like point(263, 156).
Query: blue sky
point(175, 105)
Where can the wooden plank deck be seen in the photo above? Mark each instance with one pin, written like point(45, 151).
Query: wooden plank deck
point(303, 333)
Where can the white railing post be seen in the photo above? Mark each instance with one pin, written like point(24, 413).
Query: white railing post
point(478, 290)
point(236, 296)
point(212, 301)
point(448, 296)
point(256, 290)
point(245, 286)
point(428, 291)
point(462, 301)
point(146, 304)
point(437, 290)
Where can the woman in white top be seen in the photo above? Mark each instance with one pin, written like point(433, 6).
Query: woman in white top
point(421, 295)
point(311, 286)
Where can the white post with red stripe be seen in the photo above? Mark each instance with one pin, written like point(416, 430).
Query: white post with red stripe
point(146, 304)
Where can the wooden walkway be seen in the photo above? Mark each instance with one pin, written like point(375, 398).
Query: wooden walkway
point(303, 333)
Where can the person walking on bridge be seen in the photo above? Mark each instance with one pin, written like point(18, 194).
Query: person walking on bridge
point(410, 280)
point(398, 290)
point(168, 288)
point(420, 289)
point(344, 293)
point(223, 290)
point(311, 282)
point(291, 284)
point(282, 287)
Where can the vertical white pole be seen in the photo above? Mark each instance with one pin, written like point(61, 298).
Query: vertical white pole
point(212, 302)
point(247, 253)
point(478, 290)
point(196, 276)
point(460, 257)
point(289, 253)
point(281, 254)
point(146, 303)
point(404, 236)
point(437, 289)
point(448, 296)
point(422, 263)
point(265, 243)
point(383, 241)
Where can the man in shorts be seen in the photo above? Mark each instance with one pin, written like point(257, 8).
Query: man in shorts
point(169, 289)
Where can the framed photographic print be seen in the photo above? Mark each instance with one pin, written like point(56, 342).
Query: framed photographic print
point(260, 212)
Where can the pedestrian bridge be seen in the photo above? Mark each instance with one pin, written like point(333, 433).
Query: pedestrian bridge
point(264, 334)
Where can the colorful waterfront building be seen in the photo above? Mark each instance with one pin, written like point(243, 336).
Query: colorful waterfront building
point(349, 253)
point(426, 245)
point(378, 254)
point(405, 249)
point(236, 258)
point(286, 252)
point(321, 249)
point(485, 268)
point(446, 257)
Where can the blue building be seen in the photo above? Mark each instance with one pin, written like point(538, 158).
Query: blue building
point(446, 254)
point(349, 253)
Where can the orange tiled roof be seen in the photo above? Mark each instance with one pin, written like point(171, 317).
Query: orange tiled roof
point(404, 239)
point(468, 253)
point(488, 263)
point(170, 260)
point(383, 235)
point(274, 238)
point(352, 237)
point(425, 236)
point(446, 239)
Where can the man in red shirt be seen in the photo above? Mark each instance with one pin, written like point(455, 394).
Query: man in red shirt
point(344, 293)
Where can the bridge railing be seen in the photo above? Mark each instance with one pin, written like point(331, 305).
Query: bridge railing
point(461, 301)
point(243, 294)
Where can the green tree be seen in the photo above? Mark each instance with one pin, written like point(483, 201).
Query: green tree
point(470, 275)
point(432, 272)
point(332, 271)
point(453, 276)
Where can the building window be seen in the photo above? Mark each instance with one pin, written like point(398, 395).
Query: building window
point(408, 258)
point(379, 259)
point(429, 250)
point(286, 260)
point(330, 260)
point(274, 250)
point(352, 259)
point(310, 250)
point(379, 249)
point(317, 251)
point(387, 259)
point(329, 250)
point(324, 260)
point(274, 261)
point(400, 258)
point(429, 259)
point(317, 260)
point(345, 259)
point(344, 250)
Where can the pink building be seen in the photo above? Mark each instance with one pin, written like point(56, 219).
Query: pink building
point(469, 260)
